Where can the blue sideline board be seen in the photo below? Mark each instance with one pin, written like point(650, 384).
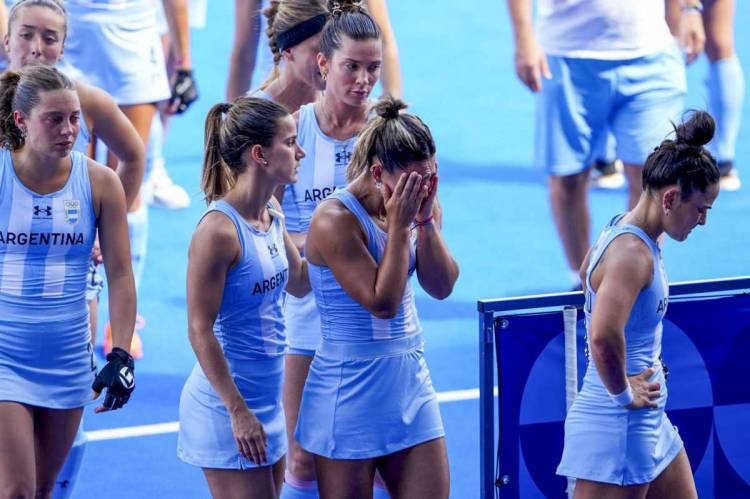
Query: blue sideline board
point(706, 346)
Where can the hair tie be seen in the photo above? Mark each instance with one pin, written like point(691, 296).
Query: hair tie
point(225, 108)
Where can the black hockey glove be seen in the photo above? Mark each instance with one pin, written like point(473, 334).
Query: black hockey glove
point(118, 377)
point(184, 91)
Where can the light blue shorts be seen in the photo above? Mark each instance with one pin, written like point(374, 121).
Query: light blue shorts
point(367, 400)
point(121, 54)
point(206, 439)
point(47, 364)
point(637, 99)
point(611, 444)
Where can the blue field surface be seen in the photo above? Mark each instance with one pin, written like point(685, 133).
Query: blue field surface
point(457, 60)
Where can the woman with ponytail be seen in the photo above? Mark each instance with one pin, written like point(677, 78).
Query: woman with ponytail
point(349, 61)
point(240, 262)
point(293, 29)
point(53, 200)
point(619, 442)
point(368, 381)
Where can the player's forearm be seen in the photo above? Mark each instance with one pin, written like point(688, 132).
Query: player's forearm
point(122, 306)
point(521, 18)
point(608, 353)
point(214, 365)
point(176, 12)
point(130, 174)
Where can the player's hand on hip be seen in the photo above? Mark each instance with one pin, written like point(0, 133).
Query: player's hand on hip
point(118, 377)
point(531, 64)
point(645, 394)
point(250, 436)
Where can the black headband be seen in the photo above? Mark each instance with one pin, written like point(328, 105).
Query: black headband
point(300, 32)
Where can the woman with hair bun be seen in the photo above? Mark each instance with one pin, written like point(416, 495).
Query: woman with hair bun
point(240, 261)
point(349, 61)
point(619, 442)
point(293, 29)
point(368, 382)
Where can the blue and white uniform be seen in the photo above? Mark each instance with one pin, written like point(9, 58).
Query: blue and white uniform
point(321, 172)
point(605, 442)
point(368, 392)
point(114, 45)
point(250, 330)
point(45, 248)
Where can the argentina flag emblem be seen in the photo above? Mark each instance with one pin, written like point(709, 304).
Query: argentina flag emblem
point(72, 211)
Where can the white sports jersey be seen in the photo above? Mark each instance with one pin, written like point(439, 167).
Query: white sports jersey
point(602, 29)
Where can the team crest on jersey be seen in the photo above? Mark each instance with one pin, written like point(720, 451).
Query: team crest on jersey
point(72, 211)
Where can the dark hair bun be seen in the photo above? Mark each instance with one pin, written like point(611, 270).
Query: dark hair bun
point(388, 107)
point(697, 131)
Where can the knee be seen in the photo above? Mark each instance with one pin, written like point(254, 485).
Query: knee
point(301, 463)
point(718, 47)
point(18, 489)
point(569, 187)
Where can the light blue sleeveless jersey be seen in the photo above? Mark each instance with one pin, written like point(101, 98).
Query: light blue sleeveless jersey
point(45, 245)
point(605, 442)
point(111, 9)
point(342, 318)
point(643, 330)
point(321, 171)
point(251, 320)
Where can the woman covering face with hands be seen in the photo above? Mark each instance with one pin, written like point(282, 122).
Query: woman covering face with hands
point(368, 380)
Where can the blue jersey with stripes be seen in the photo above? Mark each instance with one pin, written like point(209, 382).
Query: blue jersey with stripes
point(45, 245)
point(251, 320)
point(321, 171)
point(643, 331)
point(344, 319)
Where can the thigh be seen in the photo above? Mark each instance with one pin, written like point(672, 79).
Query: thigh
point(418, 472)
point(344, 479)
point(55, 431)
point(718, 20)
point(296, 368)
point(255, 483)
point(586, 489)
point(17, 468)
point(675, 481)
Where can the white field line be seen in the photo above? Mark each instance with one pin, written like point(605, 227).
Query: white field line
point(173, 427)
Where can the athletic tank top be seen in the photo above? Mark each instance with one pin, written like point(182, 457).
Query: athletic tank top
point(321, 171)
point(45, 245)
point(251, 320)
point(643, 330)
point(344, 319)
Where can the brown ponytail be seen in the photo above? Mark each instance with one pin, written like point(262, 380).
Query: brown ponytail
point(230, 130)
